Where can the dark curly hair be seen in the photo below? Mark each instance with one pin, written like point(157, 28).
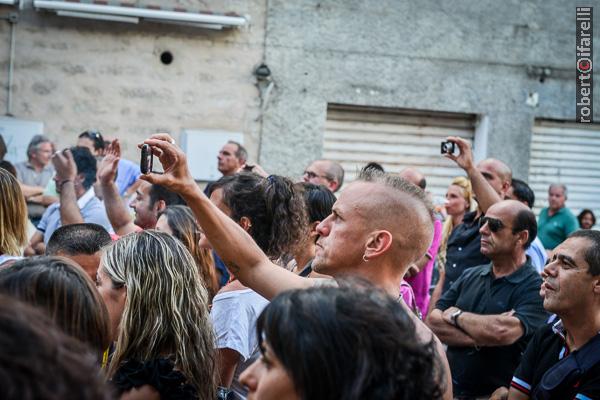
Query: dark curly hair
point(274, 207)
point(354, 342)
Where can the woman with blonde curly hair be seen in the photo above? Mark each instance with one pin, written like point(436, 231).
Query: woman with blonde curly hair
point(159, 317)
point(459, 200)
point(13, 218)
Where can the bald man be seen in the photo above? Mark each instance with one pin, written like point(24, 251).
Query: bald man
point(325, 172)
point(489, 314)
point(379, 226)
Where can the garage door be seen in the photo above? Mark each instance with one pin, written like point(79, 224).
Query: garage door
point(396, 139)
point(568, 153)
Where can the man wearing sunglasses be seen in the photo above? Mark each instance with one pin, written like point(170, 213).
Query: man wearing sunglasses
point(554, 364)
point(489, 314)
point(325, 172)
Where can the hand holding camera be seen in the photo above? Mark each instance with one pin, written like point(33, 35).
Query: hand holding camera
point(464, 156)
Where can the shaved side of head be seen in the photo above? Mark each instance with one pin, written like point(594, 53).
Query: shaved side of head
point(404, 210)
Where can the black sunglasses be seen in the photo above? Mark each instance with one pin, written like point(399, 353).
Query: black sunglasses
point(494, 224)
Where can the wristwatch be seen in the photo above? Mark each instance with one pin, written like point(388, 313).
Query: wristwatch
point(454, 317)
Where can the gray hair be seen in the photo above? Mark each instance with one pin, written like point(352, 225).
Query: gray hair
point(35, 143)
point(559, 185)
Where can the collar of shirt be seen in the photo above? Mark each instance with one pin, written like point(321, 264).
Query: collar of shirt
point(516, 277)
point(83, 200)
point(46, 167)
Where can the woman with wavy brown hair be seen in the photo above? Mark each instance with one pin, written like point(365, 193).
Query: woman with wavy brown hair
point(159, 315)
point(179, 221)
point(63, 290)
point(13, 217)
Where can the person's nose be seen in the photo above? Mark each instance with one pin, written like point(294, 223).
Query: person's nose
point(249, 378)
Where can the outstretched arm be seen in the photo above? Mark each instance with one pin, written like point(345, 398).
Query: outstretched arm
point(116, 210)
point(484, 192)
point(235, 247)
point(66, 172)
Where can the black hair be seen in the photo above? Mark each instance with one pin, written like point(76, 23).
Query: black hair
point(274, 207)
point(94, 136)
point(159, 192)
point(86, 165)
point(373, 165)
point(5, 164)
point(353, 342)
point(318, 199)
point(38, 361)
point(523, 192)
point(77, 239)
point(525, 221)
point(592, 253)
point(583, 213)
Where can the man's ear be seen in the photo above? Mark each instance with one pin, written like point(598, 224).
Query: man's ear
point(597, 286)
point(333, 185)
point(378, 243)
point(523, 238)
point(160, 205)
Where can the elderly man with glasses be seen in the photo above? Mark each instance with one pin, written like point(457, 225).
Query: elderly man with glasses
point(325, 172)
point(489, 314)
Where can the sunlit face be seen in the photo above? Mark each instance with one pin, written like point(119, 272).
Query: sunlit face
point(114, 299)
point(43, 154)
point(343, 234)
point(145, 213)
point(267, 379)
point(163, 225)
point(228, 163)
point(556, 198)
point(455, 201)
point(567, 283)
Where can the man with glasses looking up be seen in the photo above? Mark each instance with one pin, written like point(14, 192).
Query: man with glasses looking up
point(325, 172)
point(489, 314)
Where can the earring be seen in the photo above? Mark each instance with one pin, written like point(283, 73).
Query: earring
point(365, 259)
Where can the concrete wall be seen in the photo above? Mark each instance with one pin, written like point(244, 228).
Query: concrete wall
point(460, 56)
point(75, 74)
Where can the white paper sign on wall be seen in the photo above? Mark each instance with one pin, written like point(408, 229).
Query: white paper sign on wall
point(17, 134)
point(202, 147)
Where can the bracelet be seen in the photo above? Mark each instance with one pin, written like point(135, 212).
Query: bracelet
point(61, 183)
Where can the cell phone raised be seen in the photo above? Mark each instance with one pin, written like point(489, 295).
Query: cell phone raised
point(146, 159)
point(448, 147)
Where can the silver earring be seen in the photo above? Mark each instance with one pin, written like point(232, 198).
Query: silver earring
point(365, 259)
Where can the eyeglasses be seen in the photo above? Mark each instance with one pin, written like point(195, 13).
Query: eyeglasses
point(494, 224)
point(312, 175)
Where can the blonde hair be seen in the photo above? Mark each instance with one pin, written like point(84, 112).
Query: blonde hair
point(465, 184)
point(13, 215)
point(166, 308)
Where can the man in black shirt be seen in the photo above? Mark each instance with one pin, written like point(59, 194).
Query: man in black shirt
point(489, 314)
point(571, 289)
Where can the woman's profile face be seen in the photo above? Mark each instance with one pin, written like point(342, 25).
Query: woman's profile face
point(267, 379)
point(114, 299)
point(455, 201)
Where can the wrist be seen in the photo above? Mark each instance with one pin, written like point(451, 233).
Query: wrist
point(62, 182)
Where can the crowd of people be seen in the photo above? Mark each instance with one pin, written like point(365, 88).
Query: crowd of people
point(120, 285)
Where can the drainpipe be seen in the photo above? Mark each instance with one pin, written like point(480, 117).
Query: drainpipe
point(12, 19)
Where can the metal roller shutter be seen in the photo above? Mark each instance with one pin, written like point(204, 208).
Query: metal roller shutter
point(568, 153)
point(355, 136)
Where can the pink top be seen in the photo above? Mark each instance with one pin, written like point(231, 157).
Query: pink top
point(420, 283)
